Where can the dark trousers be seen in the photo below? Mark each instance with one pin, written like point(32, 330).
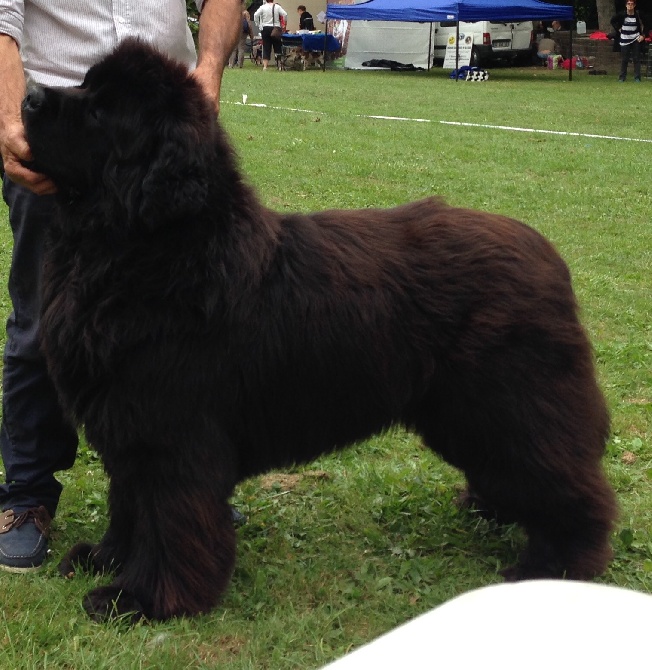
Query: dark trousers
point(269, 42)
point(632, 50)
point(35, 438)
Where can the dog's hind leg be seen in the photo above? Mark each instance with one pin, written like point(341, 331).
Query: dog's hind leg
point(182, 544)
point(568, 521)
point(534, 457)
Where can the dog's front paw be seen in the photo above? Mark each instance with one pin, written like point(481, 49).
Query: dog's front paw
point(92, 558)
point(110, 603)
point(81, 555)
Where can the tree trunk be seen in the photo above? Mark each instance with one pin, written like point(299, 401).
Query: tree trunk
point(606, 9)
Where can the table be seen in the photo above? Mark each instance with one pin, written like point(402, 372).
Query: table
point(308, 49)
point(312, 41)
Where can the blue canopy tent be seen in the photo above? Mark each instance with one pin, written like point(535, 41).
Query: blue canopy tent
point(447, 10)
point(425, 11)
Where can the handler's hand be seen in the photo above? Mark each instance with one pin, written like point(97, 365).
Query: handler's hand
point(15, 149)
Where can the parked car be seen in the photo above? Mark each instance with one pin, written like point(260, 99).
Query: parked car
point(491, 40)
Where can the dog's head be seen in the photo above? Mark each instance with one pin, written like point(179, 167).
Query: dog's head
point(137, 133)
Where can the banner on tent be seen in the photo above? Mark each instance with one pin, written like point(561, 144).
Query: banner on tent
point(466, 47)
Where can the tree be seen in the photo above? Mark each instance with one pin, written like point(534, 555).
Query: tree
point(606, 9)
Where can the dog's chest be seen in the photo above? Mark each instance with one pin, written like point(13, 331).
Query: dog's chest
point(83, 296)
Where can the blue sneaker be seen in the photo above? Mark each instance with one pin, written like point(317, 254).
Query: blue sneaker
point(24, 539)
point(239, 519)
point(637, 80)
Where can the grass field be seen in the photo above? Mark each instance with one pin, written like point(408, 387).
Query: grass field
point(338, 552)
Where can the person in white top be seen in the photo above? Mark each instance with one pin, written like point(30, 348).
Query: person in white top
point(267, 17)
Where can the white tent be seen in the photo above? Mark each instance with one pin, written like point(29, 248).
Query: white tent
point(396, 41)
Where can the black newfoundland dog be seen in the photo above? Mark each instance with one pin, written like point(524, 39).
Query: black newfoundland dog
point(200, 338)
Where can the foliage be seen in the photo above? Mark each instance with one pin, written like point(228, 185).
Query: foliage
point(193, 17)
point(587, 10)
point(191, 6)
point(338, 552)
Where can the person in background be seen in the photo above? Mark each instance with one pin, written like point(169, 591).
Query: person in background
point(630, 34)
point(54, 44)
point(238, 54)
point(305, 19)
point(545, 47)
point(267, 17)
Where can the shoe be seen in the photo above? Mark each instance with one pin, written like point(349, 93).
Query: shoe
point(239, 519)
point(637, 80)
point(24, 539)
point(621, 80)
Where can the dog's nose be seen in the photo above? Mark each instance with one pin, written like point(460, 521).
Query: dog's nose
point(34, 98)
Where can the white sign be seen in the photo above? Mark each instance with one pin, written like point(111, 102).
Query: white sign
point(466, 46)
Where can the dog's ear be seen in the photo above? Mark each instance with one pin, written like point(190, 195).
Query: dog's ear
point(175, 184)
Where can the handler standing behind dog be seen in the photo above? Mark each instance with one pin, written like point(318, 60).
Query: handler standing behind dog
point(54, 42)
point(267, 17)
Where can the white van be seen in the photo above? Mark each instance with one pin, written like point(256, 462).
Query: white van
point(491, 40)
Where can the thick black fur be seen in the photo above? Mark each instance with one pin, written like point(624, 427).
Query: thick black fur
point(201, 338)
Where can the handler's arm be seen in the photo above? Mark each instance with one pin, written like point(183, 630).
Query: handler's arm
point(219, 26)
point(13, 145)
point(616, 23)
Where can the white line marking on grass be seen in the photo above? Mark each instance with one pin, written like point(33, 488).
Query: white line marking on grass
point(463, 124)
point(395, 118)
point(283, 109)
point(546, 132)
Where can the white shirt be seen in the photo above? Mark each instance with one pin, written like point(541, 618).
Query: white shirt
point(263, 16)
point(60, 39)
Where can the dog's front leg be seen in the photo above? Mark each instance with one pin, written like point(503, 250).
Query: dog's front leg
point(181, 541)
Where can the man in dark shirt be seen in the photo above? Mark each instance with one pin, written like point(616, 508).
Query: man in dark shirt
point(305, 19)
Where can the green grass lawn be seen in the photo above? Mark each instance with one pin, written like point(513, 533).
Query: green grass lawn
point(338, 552)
